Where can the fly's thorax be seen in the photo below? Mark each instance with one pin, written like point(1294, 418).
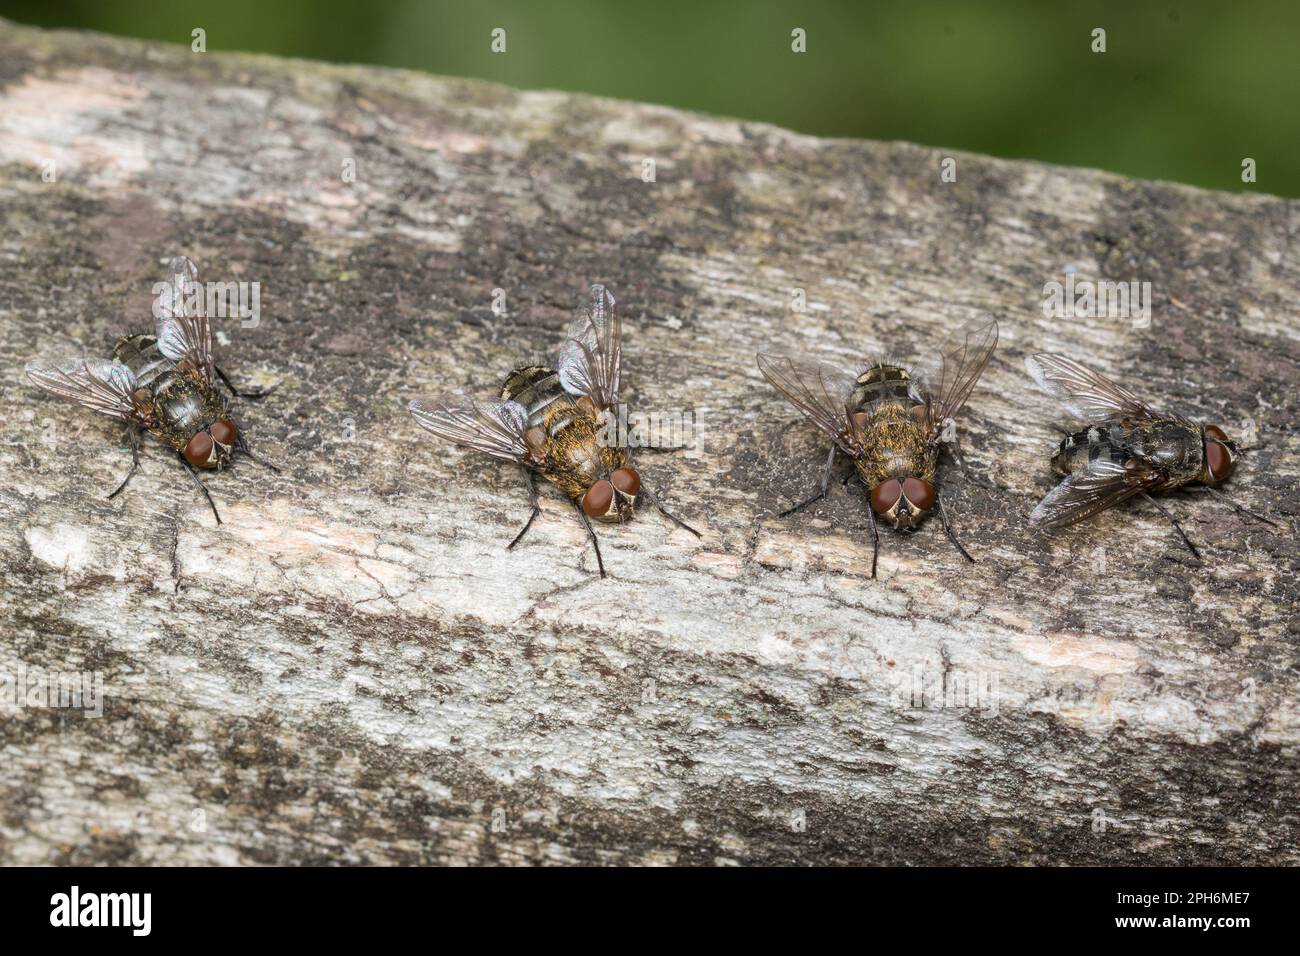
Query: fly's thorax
point(583, 466)
point(574, 454)
point(894, 443)
point(1176, 449)
point(182, 406)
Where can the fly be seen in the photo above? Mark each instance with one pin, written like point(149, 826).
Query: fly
point(162, 384)
point(556, 424)
point(890, 422)
point(1126, 448)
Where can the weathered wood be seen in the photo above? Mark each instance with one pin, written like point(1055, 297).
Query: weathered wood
point(352, 667)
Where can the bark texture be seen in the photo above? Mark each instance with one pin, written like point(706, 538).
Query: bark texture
point(352, 668)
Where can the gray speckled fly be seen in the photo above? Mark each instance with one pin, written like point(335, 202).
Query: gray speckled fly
point(1125, 448)
point(161, 384)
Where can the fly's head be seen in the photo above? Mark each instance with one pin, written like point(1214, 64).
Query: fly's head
point(212, 447)
point(903, 502)
point(1220, 455)
point(613, 499)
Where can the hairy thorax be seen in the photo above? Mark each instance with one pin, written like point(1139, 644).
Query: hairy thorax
point(577, 453)
point(894, 444)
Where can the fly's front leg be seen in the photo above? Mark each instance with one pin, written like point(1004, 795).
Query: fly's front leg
point(1241, 509)
point(242, 444)
point(532, 500)
point(202, 487)
point(954, 451)
point(943, 516)
point(1177, 527)
point(875, 540)
point(591, 533)
point(654, 500)
point(133, 436)
point(826, 480)
point(250, 393)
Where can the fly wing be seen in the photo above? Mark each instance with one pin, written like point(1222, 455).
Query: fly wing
point(591, 353)
point(818, 390)
point(494, 428)
point(958, 367)
point(182, 323)
point(1086, 394)
point(98, 384)
point(1085, 493)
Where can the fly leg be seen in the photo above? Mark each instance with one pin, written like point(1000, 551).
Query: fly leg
point(947, 528)
point(954, 451)
point(250, 393)
point(595, 542)
point(202, 487)
point(875, 540)
point(1177, 527)
point(133, 435)
point(826, 480)
point(532, 500)
point(1236, 507)
point(654, 500)
point(242, 444)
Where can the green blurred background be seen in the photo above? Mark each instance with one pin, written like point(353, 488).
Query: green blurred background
point(1184, 92)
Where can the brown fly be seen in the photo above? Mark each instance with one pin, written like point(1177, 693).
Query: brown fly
point(1125, 448)
point(559, 424)
point(891, 421)
point(162, 384)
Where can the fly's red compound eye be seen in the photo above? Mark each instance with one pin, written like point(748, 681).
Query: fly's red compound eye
point(199, 449)
point(223, 432)
point(1218, 459)
point(885, 495)
point(598, 498)
point(920, 493)
point(627, 481)
point(1215, 432)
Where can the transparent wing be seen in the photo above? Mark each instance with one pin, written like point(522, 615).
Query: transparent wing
point(590, 356)
point(98, 384)
point(952, 376)
point(494, 428)
point(818, 390)
point(1085, 393)
point(182, 323)
point(1085, 493)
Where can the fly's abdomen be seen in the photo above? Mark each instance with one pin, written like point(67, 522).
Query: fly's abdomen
point(536, 388)
point(140, 354)
point(1079, 450)
point(883, 384)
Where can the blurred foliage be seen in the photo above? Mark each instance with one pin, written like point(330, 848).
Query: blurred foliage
point(1184, 91)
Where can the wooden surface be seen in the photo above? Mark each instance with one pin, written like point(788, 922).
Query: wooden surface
point(352, 668)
